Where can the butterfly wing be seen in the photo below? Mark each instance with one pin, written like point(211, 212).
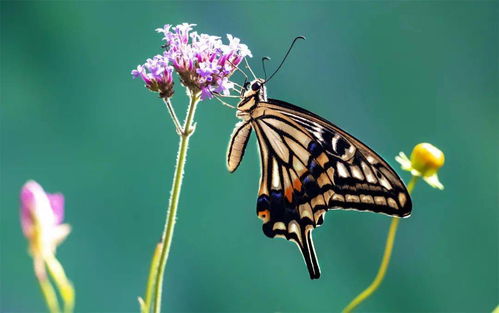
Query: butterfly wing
point(309, 166)
point(357, 171)
point(285, 198)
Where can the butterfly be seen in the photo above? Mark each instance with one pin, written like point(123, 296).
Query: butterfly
point(309, 166)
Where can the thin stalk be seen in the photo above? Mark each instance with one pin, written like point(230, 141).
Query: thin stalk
point(65, 287)
point(412, 183)
point(174, 117)
point(46, 286)
point(384, 262)
point(151, 281)
point(166, 238)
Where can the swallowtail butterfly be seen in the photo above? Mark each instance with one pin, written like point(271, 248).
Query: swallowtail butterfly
point(308, 166)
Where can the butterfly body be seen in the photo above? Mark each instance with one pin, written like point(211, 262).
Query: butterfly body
point(309, 166)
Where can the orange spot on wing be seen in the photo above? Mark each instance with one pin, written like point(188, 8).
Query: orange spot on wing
point(288, 193)
point(297, 184)
point(264, 215)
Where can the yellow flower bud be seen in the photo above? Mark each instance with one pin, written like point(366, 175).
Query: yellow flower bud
point(427, 159)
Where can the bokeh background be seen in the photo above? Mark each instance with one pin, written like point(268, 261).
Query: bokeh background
point(392, 73)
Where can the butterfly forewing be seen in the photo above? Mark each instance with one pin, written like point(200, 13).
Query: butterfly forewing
point(362, 179)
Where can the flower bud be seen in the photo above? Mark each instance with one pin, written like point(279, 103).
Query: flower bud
point(427, 159)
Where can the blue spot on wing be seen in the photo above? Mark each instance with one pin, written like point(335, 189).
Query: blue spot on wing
point(311, 187)
point(314, 148)
point(314, 168)
point(262, 203)
point(276, 202)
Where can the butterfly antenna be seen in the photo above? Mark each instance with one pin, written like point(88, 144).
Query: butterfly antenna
point(263, 65)
point(249, 68)
point(284, 59)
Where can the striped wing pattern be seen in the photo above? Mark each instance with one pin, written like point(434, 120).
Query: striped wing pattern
point(309, 166)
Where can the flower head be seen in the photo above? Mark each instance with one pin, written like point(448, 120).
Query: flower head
point(41, 218)
point(425, 161)
point(157, 75)
point(203, 62)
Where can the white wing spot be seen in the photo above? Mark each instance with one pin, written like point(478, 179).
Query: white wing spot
point(276, 183)
point(356, 172)
point(383, 181)
point(342, 170)
point(294, 227)
point(368, 173)
point(279, 226)
point(371, 159)
point(334, 141)
point(306, 211)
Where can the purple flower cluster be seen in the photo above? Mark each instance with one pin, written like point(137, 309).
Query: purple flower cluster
point(203, 62)
point(157, 75)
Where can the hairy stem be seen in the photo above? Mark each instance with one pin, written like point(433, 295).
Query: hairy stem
point(384, 262)
point(174, 117)
point(166, 238)
point(145, 305)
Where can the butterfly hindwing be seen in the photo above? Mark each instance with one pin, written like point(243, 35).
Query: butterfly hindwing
point(287, 192)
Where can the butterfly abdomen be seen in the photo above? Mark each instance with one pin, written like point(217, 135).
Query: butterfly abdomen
point(239, 139)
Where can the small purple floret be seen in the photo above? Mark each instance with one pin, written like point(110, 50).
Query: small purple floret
point(157, 75)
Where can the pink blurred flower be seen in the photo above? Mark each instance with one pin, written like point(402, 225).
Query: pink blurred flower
point(41, 218)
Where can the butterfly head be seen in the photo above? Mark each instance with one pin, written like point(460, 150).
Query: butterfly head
point(253, 93)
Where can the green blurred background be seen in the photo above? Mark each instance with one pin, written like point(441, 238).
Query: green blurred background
point(392, 73)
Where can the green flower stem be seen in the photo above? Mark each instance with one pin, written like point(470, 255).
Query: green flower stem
point(151, 281)
point(65, 287)
point(385, 261)
point(46, 287)
point(412, 183)
point(166, 238)
point(174, 117)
